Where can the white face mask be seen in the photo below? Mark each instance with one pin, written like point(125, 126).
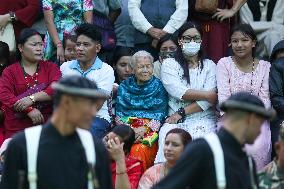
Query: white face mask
point(191, 49)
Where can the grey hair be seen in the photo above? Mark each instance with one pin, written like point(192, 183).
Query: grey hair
point(140, 54)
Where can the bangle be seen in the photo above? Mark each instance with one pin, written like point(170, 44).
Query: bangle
point(59, 44)
point(28, 109)
point(181, 112)
point(121, 173)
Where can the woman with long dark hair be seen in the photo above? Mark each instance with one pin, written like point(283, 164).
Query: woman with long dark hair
point(190, 80)
point(245, 72)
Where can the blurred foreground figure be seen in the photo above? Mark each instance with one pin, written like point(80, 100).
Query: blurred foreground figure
point(222, 153)
point(56, 156)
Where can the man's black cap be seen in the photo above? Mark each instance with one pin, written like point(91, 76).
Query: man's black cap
point(79, 86)
point(245, 101)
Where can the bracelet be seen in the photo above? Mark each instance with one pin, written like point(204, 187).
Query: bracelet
point(28, 109)
point(181, 112)
point(59, 44)
point(121, 173)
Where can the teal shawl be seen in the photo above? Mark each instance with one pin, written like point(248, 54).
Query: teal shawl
point(149, 100)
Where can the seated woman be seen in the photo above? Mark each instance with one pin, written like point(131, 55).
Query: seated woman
point(167, 47)
point(25, 90)
point(4, 62)
point(190, 80)
point(142, 103)
point(175, 142)
point(244, 72)
point(126, 170)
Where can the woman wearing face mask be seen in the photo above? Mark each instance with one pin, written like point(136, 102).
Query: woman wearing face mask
point(244, 72)
point(25, 89)
point(190, 80)
point(167, 47)
point(175, 142)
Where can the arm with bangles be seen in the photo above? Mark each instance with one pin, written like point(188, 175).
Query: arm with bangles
point(182, 112)
point(49, 21)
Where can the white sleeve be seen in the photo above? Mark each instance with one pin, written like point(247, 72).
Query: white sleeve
point(210, 84)
point(136, 16)
point(106, 79)
point(172, 79)
point(178, 18)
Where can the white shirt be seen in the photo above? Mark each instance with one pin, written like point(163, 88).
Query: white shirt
point(101, 73)
point(141, 23)
point(176, 85)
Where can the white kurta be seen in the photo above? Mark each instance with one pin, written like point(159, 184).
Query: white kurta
point(197, 124)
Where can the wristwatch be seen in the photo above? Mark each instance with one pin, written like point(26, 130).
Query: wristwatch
point(32, 97)
point(12, 16)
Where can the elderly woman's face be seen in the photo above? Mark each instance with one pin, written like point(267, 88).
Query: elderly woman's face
point(143, 70)
point(32, 49)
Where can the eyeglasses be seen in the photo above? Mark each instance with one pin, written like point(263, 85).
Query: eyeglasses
point(188, 38)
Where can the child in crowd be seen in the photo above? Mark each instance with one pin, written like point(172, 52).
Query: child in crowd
point(69, 47)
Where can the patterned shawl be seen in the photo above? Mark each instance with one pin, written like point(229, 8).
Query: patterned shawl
point(149, 100)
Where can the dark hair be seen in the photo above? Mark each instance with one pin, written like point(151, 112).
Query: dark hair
point(90, 31)
point(71, 37)
point(4, 55)
point(26, 34)
point(118, 53)
point(127, 134)
point(279, 47)
point(167, 37)
point(184, 135)
point(181, 59)
point(248, 31)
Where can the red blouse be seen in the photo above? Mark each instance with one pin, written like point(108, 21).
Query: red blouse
point(26, 12)
point(134, 171)
point(13, 84)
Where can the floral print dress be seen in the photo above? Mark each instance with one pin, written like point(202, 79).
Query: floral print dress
point(68, 14)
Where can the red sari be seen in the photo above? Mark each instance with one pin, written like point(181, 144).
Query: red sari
point(134, 171)
point(14, 84)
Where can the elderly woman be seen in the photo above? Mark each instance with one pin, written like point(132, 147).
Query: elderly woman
point(142, 103)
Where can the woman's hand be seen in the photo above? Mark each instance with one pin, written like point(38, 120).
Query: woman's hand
point(115, 149)
point(60, 54)
point(223, 14)
point(139, 133)
point(173, 119)
point(4, 20)
point(22, 104)
point(36, 116)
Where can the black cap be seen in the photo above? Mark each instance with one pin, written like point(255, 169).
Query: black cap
point(79, 86)
point(247, 102)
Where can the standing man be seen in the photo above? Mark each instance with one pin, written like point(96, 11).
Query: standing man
point(196, 169)
point(61, 161)
point(89, 65)
point(154, 19)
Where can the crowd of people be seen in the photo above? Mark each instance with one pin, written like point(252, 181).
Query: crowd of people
point(148, 85)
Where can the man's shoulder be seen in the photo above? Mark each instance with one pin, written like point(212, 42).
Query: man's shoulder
point(107, 67)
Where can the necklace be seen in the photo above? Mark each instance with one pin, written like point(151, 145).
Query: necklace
point(31, 81)
point(252, 75)
point(252, 72)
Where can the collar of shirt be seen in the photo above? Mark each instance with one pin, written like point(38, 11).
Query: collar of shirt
point(96, 66)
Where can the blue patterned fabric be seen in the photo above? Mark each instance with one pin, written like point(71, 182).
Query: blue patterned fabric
point(149, 100)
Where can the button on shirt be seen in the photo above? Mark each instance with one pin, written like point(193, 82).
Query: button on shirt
point(99, 72)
